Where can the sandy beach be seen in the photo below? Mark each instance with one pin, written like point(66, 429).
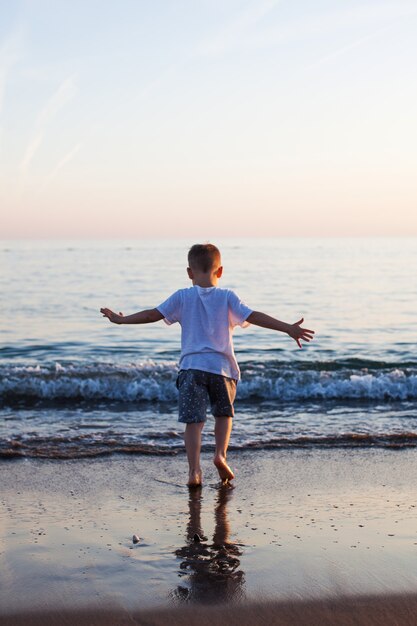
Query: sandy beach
point(349, 611)
point(299, 526)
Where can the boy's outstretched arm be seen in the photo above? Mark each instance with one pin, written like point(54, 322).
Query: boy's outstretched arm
point(143, 317)
point(293, 330)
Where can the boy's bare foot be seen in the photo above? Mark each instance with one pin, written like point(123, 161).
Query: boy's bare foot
point(195, 479)
point(224, 470)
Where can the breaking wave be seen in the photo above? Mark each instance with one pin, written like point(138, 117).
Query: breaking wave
point(151, 381)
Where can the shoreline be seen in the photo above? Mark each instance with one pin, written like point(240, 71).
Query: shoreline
point(317, 525)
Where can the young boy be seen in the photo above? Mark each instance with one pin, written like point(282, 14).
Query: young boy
point(208, 366)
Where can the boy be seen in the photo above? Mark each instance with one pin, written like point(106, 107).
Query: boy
point(208, 367)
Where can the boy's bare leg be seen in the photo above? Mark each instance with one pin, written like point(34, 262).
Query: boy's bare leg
point(222, 431)
point(192, 438)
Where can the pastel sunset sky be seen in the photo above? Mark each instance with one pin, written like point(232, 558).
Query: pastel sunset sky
point(178, 117)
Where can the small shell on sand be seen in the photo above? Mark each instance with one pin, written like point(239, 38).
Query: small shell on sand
point(135, 539)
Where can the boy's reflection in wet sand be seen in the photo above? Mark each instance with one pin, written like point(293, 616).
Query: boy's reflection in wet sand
point(211, 569)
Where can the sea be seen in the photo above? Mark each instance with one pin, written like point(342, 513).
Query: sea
point(73, 385)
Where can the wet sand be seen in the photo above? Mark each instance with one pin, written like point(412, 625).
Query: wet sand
point(356, 611)
point(314, 530)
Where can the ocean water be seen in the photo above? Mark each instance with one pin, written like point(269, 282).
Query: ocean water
point(74, 385)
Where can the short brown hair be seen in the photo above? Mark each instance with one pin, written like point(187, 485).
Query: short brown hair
point(203, 256)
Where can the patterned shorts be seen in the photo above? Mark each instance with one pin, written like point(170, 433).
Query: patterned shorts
point(196, 388)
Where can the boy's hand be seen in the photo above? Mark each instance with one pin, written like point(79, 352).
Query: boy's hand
point(297, 333)
point(113, 317)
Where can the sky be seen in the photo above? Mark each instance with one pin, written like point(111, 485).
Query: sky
point(208, 118)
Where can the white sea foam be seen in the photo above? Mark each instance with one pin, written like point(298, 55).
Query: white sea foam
point(341, 385)
point(152, 381)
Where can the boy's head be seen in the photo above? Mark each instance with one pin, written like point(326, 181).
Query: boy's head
point(204, 258)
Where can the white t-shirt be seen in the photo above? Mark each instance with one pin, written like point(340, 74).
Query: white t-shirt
point(207, 316)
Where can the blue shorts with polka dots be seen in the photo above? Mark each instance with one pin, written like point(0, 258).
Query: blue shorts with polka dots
point(196, 388)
